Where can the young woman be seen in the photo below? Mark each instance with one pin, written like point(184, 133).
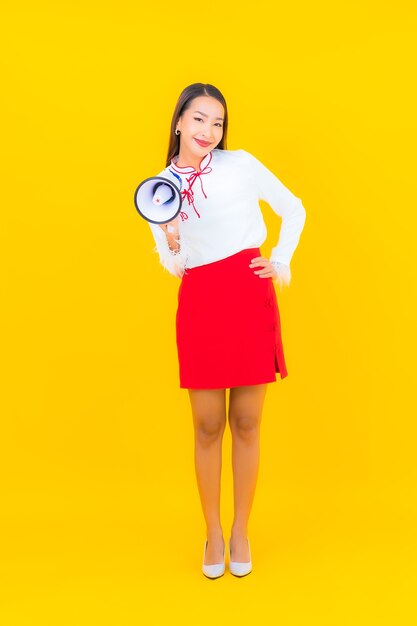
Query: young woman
point(227, 324)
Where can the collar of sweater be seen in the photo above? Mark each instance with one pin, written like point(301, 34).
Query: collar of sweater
point(188, 169)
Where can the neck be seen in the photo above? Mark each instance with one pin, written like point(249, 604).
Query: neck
point(189, 160)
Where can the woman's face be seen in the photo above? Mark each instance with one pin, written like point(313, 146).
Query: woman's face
point(201, 126)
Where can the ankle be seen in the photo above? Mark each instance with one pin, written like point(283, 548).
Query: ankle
point(239, 532)
point(214, 534)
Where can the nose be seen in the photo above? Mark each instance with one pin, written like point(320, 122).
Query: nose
point(207, 131)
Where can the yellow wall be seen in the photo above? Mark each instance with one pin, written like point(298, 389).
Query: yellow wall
point(101, 520)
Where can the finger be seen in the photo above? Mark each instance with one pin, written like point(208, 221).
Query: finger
point(265, 270)
point(259, 258)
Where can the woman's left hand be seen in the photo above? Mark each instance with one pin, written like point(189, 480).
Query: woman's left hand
point(267, 271)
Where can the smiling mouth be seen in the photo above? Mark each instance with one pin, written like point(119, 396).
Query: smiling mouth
point(202, 143)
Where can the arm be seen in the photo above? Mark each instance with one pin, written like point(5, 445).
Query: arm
point(172, 236)
point(171, 253)
point(285, 204)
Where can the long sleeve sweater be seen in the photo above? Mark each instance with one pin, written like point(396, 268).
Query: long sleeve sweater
point(220, 213)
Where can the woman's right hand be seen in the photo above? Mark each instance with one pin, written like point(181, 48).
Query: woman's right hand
point(173, 224)
point(172, 234)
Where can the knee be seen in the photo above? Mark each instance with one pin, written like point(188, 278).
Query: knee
point(209, 429)
point(244, 426)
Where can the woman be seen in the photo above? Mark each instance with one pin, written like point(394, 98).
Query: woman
point(227, 325)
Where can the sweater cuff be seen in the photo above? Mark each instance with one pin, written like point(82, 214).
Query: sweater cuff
point(283, 271)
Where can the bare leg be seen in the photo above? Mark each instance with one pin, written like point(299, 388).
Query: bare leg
point(245, 412)
point(209, 418)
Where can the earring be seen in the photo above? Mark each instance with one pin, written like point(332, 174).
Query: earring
point(177, 132)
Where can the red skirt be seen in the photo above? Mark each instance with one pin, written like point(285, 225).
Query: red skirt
point(228, 326)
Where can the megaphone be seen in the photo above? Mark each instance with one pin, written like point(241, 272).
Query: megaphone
point(158, 200)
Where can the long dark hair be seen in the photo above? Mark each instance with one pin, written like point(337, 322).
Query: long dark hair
point(184, 101)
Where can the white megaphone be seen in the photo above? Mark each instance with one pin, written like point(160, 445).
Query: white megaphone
point(158, 200)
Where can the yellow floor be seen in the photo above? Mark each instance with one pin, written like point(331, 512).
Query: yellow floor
point(312, 565)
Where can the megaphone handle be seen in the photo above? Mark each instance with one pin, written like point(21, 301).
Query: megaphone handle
point(172, 234)
point(172, 224)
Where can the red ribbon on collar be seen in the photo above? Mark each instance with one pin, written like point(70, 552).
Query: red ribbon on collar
point(189, 193)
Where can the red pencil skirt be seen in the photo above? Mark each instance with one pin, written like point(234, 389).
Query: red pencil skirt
point(228, 328)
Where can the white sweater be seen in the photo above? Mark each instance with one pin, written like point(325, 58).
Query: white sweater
point(220, 213)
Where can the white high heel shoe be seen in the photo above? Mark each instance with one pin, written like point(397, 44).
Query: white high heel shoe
point(240, 569)
point(216, 569)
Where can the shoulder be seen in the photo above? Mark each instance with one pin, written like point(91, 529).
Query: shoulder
point(168, 173)
point(230, 155)
point(238, 157)
point(163, 172)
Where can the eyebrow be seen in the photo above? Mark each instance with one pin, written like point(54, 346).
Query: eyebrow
point(205, 115)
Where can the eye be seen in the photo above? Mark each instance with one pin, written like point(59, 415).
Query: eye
point(200, 119)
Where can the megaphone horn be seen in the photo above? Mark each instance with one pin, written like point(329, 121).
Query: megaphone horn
point(162, 193)
point(158, 200)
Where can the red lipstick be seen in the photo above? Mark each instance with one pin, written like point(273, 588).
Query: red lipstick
point(203, 144)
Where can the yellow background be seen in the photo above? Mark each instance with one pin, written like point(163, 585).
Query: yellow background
point(101, 520)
